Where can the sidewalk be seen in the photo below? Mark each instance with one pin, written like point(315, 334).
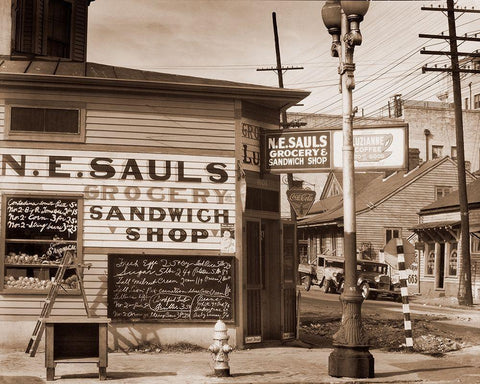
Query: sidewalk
point(268, 365)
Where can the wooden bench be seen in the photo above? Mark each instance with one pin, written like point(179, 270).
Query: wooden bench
point(76, 340)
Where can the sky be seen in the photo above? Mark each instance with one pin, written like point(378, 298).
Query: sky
point(230, 39)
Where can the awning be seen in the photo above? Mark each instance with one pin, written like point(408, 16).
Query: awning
point(436, 225)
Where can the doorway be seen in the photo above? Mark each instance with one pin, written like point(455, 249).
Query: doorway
point(440, 272)
point(264, 293)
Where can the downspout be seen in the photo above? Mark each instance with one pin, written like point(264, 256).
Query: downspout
point(427, 135)
point(470, 87)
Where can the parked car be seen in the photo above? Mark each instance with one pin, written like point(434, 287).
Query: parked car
point(326, 272)
point(374, 279)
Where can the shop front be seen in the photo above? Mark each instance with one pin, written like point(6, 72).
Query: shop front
point(157, 184)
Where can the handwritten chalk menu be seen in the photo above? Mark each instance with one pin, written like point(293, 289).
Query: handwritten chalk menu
point(41, 218)
point(170, 288)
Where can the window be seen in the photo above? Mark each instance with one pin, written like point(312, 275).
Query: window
point(392, 233)
point(44, 120)
point(437, 151)
point(58, 28)
point(55, 28)
point(37, 232)
point(476, 101)
point(430, 259)
point(442, 191)
point(474, 243)
point(466, 103)
point(40, 121)
point(453, 260)
point(453, 153)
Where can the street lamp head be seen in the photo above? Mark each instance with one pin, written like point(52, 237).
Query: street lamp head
point(355, 10)
point(332, 18)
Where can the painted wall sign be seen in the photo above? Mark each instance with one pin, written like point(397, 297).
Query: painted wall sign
point(131, 199)
point(170, 288)
point(375, 148)
point(252, 132)
point(298, 151)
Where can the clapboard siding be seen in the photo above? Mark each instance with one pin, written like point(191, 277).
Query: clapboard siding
point(401, 209)
point(178, 124)
point(192, 130)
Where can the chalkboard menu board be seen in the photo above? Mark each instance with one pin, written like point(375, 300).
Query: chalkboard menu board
point(170, 288)
point(41, 218)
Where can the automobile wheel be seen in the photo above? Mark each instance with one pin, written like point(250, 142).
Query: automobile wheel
point(307, 282)
point(365, 288)
point(327, 286)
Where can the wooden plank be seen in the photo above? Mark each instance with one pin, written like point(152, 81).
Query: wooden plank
point(173, 138)
point(13, 66)
point(42, 67)
point(160, 127)
point(157, 143)
point(66, 68)
point(77, 320)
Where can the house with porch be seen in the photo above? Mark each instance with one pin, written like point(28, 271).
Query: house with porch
point(386, 207)
point(440, 247)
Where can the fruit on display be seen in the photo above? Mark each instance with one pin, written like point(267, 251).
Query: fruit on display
point(24, 282)
point(23, 258)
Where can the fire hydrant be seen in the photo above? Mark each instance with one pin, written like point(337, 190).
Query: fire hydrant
point(220, 350)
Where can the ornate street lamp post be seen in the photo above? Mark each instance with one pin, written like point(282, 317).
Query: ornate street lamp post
point(350, 357)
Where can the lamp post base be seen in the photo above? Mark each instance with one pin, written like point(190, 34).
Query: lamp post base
point(355, 362)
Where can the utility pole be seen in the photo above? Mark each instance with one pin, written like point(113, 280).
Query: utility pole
point(279, 69)
point(465, 279)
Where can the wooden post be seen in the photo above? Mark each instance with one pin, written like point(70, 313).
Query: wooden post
point(465, 277)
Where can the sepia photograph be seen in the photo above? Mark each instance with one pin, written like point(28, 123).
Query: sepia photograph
point(233, 191)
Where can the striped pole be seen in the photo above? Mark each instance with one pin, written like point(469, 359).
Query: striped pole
point(404, 291)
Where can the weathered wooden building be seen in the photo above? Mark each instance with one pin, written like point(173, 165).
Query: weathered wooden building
point(440, 246)
point(386, 207)
point(153, 179)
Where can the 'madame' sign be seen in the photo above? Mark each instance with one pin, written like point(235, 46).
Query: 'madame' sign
point(376, 147)
point(298, 150)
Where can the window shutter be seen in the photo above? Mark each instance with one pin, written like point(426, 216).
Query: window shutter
point(29, 26)
point(40, 43)
point(24, 17)
point(79, 33)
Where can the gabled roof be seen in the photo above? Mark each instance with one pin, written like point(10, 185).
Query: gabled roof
point(451, 201)
point(361, 180)
point(80, 74)
point(374, 193)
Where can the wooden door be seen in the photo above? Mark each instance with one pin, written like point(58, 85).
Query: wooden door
point(288, 283)
point(253, 332)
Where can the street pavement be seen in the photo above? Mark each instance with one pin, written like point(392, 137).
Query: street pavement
point(287, 364)
point(292, 363)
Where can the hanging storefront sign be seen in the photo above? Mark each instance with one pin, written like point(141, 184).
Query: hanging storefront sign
point(298, 151)
point(301, 200)
point(375, 147)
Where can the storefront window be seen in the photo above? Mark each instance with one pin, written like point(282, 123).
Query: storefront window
point(430, 260)
point(37, 232)
point(453, 260)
